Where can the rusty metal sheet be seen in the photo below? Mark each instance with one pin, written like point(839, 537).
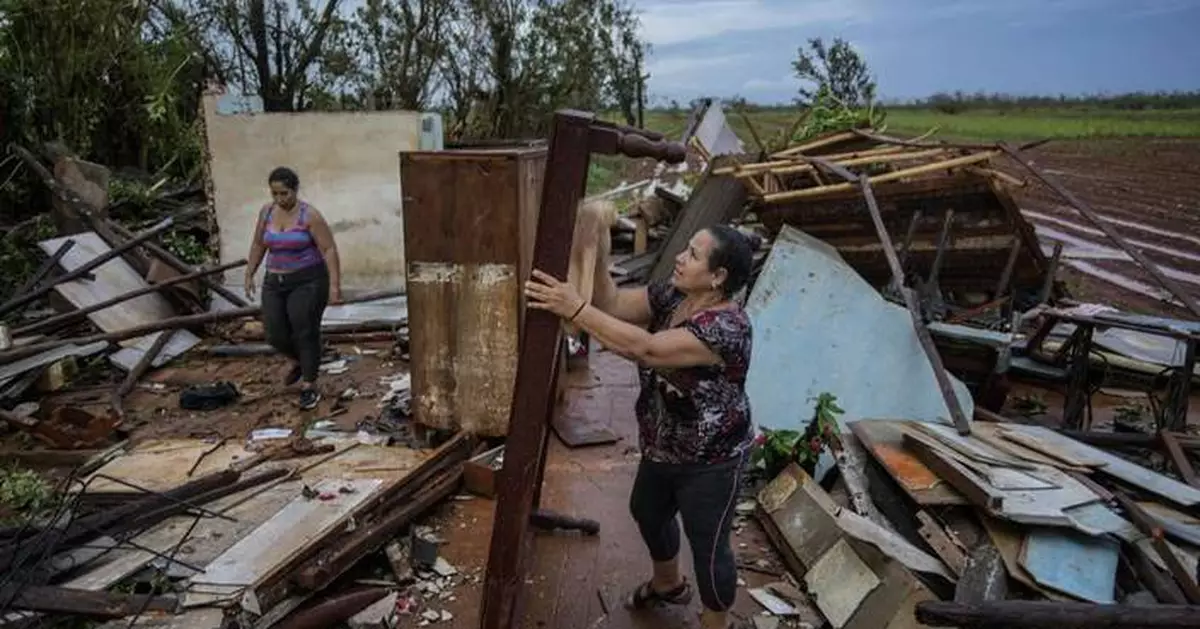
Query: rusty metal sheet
point(10, 371)
point(469, 221)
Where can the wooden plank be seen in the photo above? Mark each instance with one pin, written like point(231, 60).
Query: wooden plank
point(1053, 498)
point(1179, 458)
point(995, 436)
point(940, 542)
point(466, 261)
point(574, 136)
point(805, 524)
point(1048, 449)
point(1082, 566)
point(1115, 466)
point(115, 278)
point(885, 440)
point(1007, 538)
point(297, 525)
point(519, 481)
point(840, 581)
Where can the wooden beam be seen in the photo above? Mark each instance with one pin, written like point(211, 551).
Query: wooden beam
point(1172, 286)
point(926, 340)
point(574, 136)
point(924, 169)
point(1055, 615)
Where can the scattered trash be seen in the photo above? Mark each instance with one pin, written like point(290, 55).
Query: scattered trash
point(208, 397)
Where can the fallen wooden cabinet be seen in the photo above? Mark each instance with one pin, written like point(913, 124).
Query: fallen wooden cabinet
point(469, 222)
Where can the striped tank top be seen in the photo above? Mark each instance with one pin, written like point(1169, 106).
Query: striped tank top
point(291, 249)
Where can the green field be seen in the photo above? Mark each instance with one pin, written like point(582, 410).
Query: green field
point(978, 125)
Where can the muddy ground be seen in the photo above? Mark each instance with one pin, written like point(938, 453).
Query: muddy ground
point(1148, 190)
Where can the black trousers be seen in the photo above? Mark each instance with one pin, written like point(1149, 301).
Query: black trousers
point(704, 496)
point(292, 305)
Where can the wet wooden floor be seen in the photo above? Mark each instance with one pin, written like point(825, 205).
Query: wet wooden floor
point(578, 582)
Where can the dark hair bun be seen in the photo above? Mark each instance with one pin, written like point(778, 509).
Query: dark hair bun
point(285, 176)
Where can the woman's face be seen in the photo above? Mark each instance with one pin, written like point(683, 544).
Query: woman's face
point(691, 266)
point(284, 196)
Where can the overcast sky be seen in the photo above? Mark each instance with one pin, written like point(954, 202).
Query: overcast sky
point(918, 47)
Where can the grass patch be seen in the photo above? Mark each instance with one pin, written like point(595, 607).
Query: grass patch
point(605, 172)
point(979, 125)
point(1033, 124)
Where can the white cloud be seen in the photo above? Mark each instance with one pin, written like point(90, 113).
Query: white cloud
point(665, 24)
point(683, 66)
point(770, 85)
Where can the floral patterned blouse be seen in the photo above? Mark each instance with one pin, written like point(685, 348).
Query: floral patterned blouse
point(696, 414)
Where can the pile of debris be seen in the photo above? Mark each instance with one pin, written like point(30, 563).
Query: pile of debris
point(118, 295)
point(224, 533)
point(898, 277)
point(905, 274)
point(208, 530)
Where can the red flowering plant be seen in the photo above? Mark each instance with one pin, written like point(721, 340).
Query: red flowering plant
point(775, 449)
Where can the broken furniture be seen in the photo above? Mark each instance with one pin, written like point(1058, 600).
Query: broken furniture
point(469, 219)
point(1072, 361)
point(574, 137)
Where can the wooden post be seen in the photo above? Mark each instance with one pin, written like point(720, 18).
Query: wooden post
point(574, 136)
point(1055, 615)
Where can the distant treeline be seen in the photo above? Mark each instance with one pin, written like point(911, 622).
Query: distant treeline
point(956, 102)
point(1133, 101)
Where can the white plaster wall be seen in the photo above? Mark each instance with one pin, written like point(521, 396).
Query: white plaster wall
point(348, 165)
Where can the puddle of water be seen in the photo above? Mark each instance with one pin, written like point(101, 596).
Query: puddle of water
point(1140, 244)
point(1078, 248)
point(1117, 279)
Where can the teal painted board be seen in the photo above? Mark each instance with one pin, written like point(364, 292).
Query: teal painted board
point(1078, 565)
point(818, 326)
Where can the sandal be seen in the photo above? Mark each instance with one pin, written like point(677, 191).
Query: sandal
point(645, 596)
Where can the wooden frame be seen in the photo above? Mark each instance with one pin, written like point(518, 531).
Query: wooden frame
point(574, 136)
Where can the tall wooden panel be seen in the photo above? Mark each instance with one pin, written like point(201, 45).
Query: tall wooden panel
point(469, 222)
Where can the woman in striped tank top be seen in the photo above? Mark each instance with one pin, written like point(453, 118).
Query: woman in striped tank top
point(303, 276)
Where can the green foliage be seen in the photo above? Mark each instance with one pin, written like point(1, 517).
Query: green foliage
point(1032, 124)
point(1131, 413)
point(960, 101)
point(539, 56)
point(776, 449)
point(19, 255)
point(24, 495)
point(837, 69)
point(828, 113)
point(1029, 405)
point(102, 78)
point(186, 245)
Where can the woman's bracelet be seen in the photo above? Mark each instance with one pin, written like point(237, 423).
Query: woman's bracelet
point(578, 310)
